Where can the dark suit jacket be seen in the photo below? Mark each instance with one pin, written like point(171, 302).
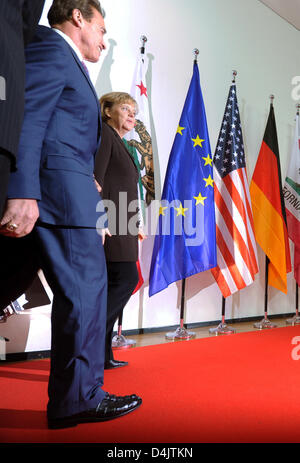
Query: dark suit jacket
point(18, 21)
point(59, 140)
point(60, 135)
point(116, 172)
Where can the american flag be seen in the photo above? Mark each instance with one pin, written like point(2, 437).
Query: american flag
point(236, 245)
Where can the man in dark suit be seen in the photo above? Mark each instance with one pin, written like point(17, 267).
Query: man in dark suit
point(18, 21)
point(54, 184)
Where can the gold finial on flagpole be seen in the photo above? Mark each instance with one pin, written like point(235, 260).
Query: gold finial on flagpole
point(234, 74)
point(196, 54)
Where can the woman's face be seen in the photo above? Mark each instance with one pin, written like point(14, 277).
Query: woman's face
point(122, 117)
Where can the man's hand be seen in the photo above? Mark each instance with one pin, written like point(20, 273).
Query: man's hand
point(19, 217)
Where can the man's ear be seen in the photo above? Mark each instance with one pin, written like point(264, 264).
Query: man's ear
point(77, 18)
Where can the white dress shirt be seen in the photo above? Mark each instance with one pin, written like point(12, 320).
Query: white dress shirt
point(70, 42)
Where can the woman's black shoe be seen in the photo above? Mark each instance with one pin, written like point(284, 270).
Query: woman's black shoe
point(110, 364)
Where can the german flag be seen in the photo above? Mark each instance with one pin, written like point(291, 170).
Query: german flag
point(268, 206)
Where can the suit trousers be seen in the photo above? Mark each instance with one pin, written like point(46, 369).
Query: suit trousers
point(122, 280)
point(74, 265)
point(5, 166)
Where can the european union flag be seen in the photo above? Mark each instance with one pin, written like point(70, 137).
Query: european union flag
point(185, 243)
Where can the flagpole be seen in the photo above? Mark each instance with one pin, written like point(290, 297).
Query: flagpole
point(265, 322)
point(223, 328)
point(196, 54)
point(297, 304)
point(119, 341)
point(296, 319)
point(143, 47)
point(181, 333)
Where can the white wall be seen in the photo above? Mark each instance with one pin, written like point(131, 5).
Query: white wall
point(234, 34)
point(237, 34)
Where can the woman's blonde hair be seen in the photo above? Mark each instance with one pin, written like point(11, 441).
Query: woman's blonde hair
point(108, 100)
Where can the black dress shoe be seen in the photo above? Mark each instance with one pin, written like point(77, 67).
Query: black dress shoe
point(110, 364)
point(111, 407)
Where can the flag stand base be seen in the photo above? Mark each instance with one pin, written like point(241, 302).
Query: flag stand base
point(294, 320)
point(264, 324)
point(120, 342)
point(222, 329)
point(180, 334)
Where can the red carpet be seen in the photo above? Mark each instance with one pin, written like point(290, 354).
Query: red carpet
point(240, 388)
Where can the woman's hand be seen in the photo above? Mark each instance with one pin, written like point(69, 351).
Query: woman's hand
point(104, 232)
point(99, 189)
point(141, 235)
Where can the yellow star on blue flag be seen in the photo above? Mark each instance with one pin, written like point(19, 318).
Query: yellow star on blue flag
point(185, 242)
point(197, 141)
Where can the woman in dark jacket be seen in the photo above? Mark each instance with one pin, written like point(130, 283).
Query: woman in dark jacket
point(117, 175)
